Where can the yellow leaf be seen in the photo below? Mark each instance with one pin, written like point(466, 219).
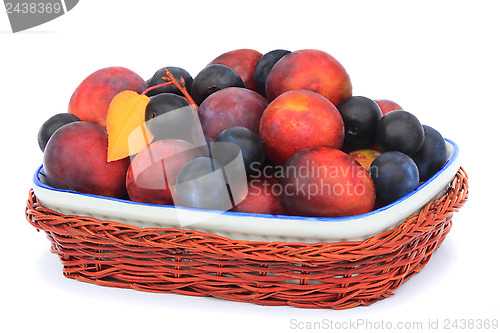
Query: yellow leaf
point(125, 124)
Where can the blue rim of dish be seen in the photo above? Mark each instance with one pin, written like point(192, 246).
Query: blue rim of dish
point(38, 182)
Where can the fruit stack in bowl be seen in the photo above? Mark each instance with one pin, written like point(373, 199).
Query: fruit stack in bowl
point(278, 133)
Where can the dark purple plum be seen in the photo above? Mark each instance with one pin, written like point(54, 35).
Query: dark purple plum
point(53, 124)
point(394, 175)
point(177, 73)
point(214, 78)
point(168, 116)
point(399, 131)
point(201, 184)
point(246, 141)
point(264, 66)
point(432, 156)
point(361, 116)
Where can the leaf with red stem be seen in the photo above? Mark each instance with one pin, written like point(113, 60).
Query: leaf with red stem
point(125, 124)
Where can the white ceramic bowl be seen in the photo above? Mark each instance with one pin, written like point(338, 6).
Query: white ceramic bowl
point(247, 226)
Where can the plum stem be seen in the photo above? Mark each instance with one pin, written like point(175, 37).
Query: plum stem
point(181, 86)
point(154, 87)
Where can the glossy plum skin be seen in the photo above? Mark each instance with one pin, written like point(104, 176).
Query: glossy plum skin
point(261, 197)
point(361, 116)
point(387, 105)
point(394, 175)
point(312, 70)
point(243, 62)
point(399, 131)
point(91, 99)
point(154, 170)
point(53, 124)
point(326, 182)
point(212, 79)
point(201, 184)
point(231, 107)
point(177, 72)
point(249, 144)
point(264, 66)
point(75, 158)
point(297, 120)
point(168, 116)
point(432, 156)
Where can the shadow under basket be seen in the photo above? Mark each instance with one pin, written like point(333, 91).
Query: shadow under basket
point(336, 275)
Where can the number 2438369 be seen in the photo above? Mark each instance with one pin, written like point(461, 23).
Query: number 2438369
point(33, 8)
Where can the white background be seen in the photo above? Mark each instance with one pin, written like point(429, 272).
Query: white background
point(439, 60)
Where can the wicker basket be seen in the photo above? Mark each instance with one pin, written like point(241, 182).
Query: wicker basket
point(337, 275)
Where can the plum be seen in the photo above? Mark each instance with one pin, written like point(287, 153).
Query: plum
point(91, 99)
point(243, 62)
point(312, 70)
point(399, 131)
point(433, 155)
point(326, 182)
point(168, 116)
point(361, 116)
point(201, 184)
point(264, 66)
point(297, 120)
point(212, 79)
point(153, 171)
point(53, 124)
point(238, 139)
point(178, 73)
point(75, 159)
point(394, 175)
point(231, 107)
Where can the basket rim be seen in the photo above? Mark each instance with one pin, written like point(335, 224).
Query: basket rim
point(439, 210)
point(452, 159)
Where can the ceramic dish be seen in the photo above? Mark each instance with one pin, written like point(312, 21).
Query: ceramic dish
point(246, 226)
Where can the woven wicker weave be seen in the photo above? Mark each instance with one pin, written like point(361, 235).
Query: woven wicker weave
point(336, 275)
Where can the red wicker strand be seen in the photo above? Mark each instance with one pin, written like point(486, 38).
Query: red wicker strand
point(337, 275)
